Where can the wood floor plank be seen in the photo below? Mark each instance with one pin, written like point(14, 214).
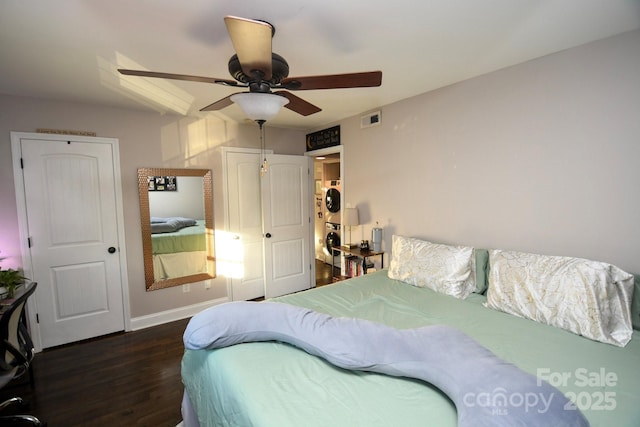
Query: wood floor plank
point(125, 379)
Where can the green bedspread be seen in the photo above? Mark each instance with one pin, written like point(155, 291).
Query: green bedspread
point(273, 384)
point(188, 239)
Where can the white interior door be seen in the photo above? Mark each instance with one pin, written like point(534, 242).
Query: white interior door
point(244, 255)
point(70, 198)
point(287, 222)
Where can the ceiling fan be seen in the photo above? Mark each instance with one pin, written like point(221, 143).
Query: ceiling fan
point(256, 67)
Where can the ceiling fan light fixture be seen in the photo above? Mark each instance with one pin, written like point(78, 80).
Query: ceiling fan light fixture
point(260, 106)
point(255, 66)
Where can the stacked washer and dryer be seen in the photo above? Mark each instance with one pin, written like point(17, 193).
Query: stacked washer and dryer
point(328, 208)
point(332, 223)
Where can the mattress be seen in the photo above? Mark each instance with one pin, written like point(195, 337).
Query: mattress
point(275, 384)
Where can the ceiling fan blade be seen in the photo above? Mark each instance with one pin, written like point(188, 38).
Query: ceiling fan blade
point(219, 104)
point(177, 77)
point(298, 104)
point(252, 42)
point(334, 81)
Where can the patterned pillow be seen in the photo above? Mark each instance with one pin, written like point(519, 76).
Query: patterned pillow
point(585, 297)
point(442, 268)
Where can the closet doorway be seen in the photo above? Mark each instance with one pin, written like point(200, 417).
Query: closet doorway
point(327, 201)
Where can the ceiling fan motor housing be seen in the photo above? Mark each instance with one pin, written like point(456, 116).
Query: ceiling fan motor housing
point(279, 70)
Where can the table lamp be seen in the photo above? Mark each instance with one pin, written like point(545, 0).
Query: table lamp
point(351, 220)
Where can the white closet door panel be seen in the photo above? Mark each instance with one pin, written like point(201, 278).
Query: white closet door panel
point(75, 215)
point(253, 260)
point(249, 214)
point(79, 290)
point(287, 261)
point(285, 189)
point(245, 225)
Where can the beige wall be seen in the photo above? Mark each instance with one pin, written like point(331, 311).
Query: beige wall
point(540, 157)
point(146, 140)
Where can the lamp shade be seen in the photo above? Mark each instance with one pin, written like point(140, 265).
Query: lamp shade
point(260, 106)
point(351, 217)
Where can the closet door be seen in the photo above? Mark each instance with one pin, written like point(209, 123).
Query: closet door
point(268, 225)
point(244, 256)
point(285, 211)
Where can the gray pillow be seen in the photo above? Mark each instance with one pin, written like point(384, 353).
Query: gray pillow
point(635, 302)
point(482, 270)
point(169, 225)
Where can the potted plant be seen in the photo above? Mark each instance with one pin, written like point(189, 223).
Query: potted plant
point(10, 280)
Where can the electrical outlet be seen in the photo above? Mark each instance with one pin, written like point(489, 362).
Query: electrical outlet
point(207, 284)
point(186, 287)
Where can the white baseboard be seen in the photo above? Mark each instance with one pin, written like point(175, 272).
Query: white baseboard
point(172, 315)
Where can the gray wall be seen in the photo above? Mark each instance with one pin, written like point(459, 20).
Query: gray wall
point(186, 201)
point(540, 157)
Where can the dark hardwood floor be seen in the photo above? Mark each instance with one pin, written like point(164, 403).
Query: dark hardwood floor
point(323, 273)
point(124, 379)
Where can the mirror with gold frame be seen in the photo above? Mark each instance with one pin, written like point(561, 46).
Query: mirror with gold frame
point(176, 218)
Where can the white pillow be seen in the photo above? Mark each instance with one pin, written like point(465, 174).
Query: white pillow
point(442, 268)
point(589, 298)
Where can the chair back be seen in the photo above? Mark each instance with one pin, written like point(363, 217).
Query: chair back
point(16, 347)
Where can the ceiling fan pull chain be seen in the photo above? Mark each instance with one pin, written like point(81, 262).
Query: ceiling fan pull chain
point(264, 166)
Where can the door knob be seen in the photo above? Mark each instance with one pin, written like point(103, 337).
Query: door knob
point(268, 235)
point(111, 250)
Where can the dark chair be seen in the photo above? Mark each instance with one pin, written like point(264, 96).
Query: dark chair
point(16, 354)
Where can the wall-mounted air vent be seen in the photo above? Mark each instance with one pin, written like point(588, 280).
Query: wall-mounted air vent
point(371, 119)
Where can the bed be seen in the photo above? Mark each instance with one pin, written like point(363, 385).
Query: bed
point(276, 384)
point(178, 247)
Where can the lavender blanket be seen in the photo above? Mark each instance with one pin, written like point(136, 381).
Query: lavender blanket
point(486, 390)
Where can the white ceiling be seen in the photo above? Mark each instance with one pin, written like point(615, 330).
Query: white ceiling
point(69, 50)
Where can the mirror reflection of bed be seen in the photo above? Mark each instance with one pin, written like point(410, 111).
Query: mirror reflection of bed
point(182, 249)
point(178, 233)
